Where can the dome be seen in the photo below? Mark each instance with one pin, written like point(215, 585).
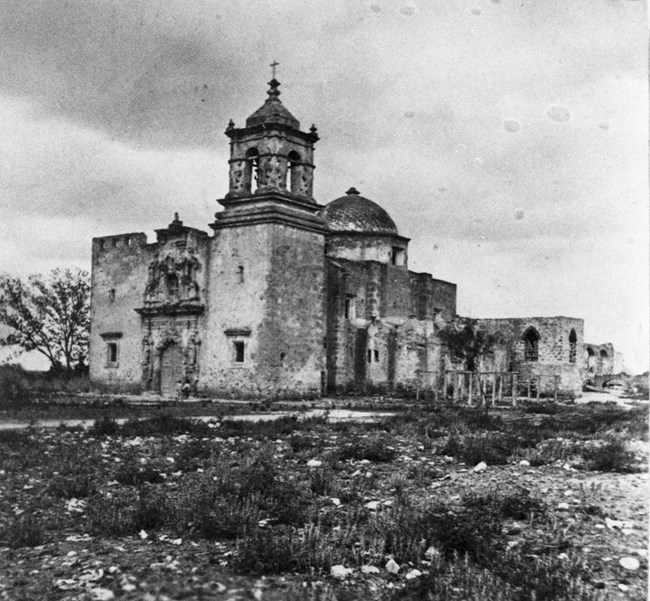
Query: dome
point(273, 111)
point(354, 213)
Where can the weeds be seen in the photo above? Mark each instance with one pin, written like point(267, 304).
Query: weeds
point(612, 456)
point(23, 531)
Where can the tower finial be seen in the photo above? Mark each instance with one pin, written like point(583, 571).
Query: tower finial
point(273, 65)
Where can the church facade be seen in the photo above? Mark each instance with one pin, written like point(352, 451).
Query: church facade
point(286, 297)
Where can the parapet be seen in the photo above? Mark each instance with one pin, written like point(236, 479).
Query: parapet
point(107, 243)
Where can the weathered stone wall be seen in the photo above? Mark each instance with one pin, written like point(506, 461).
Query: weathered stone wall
point(600, 359)
point(119, 271)
point(266, 287)
point(431, 297)
point(239, 264)
point(291, 347)
point(554, 349)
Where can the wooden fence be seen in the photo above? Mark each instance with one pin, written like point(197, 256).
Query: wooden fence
point(485, 387)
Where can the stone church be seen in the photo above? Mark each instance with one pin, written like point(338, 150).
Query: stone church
point(287, 297)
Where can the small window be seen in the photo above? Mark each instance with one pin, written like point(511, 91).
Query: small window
point(573, 346)
point(238, 351)
point(350, 309)
point(369, 356)
point(240, 273)
point(603, 354)
point(111, 295)
point(111, 354)
point(376, 356)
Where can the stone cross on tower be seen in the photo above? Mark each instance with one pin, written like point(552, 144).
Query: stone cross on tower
point(273, 65)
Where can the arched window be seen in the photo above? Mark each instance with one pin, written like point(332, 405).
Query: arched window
point(573, 345)
point(250, 170)
point(591, 359)
point(293, 172)
point(531, 345)
point(603, 354)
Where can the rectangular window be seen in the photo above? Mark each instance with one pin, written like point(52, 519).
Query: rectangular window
point(369, 356)
point(350, 310)
point(238, 347)
point(376, 356)
point(112, 354)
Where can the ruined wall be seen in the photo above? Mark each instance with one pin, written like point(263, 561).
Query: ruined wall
point(374, 296)
point(431, 297)
point(119, 272)
point(554, 349)
point(600, 359)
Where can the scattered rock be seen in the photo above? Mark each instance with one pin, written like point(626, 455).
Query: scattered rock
point(101, 594)
point(524, 463)
point(623, 587)
point(629, 563)
point(370, 570)
point(392, 566)
point(142, 534)
point(413, 574)
point(335, 501)
point(563, 506)
point(481, 467)
point(314, 463)
point(372, 505)
point(339, 571)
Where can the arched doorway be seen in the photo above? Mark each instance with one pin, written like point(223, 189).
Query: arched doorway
point(170, 369)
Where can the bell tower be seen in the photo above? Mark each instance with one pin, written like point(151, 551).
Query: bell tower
point(266, 306)
point(271, 168)
point(271, 153)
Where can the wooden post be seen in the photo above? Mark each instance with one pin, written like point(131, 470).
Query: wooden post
point(528, 393)
point(515, 386)
point(494, 388)
point(500, 388)
point(555, 379)
point(457, 388)
point(469, 390)
point(435, 387)
point(539, 385)
point(417, 385)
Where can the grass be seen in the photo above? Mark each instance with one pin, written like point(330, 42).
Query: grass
point(247, 487)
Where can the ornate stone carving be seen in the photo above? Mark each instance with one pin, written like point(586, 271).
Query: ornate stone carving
point(237, 171)
point(172, 277)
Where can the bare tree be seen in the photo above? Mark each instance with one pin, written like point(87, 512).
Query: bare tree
point(51, 316)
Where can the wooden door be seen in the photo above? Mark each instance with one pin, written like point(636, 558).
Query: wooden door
point(170, 370)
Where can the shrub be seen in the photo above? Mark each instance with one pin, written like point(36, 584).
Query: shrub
point(374, 449)
point(612, 456)
point(72, 487)
point(494, 448)
point(24, 531)
point(134, 475)
point(165, 425)
point(125, 514)
point(321, 481)
point(265, 552)
point(104, 426)
point(14, 387)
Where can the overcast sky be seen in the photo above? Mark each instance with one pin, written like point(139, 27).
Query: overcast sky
point(507, 139)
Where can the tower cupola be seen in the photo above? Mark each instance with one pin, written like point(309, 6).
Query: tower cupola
point(271, 153)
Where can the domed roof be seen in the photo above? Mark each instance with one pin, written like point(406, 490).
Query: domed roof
point(354, 213)
point(273, 111)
